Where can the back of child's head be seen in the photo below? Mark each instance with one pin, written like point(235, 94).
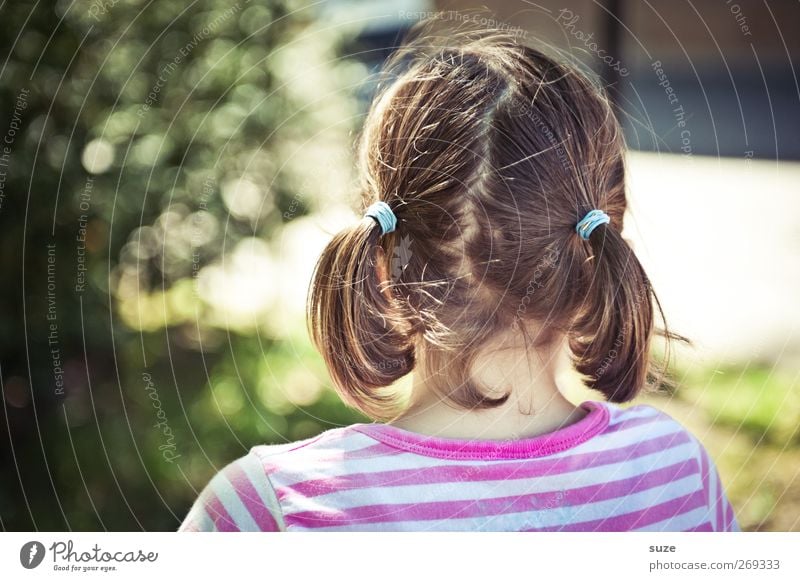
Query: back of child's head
point(489, 153)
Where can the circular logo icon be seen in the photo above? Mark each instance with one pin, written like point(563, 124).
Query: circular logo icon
point(31, 554)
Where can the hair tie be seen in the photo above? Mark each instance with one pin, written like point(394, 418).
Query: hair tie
point(591, 221)
point(382, 214)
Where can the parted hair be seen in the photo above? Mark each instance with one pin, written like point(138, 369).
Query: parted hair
point(489, 152)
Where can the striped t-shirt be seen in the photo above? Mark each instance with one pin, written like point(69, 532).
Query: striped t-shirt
point(614, 470)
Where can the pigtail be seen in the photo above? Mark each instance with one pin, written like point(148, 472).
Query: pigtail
point(354, 321)
point(611, 336)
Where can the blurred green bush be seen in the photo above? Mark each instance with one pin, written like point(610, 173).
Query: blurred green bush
point(164, 148)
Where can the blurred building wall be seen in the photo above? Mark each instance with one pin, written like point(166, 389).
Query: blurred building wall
point(731, 64)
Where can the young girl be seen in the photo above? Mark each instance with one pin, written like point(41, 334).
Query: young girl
point(490, 255)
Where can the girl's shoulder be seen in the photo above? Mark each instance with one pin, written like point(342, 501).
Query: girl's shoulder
point(644, 430)
point(358, 442)
point(336, 441)
point(642, 416)
point(331, 454)
point(245, 495)
point(664, 448)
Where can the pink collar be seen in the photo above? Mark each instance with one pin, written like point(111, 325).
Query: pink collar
point(462, 449)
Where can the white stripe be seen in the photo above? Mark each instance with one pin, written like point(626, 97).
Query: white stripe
point(618, 414)
point(254, 469)
point(332, 442)
point(299, 466)
point(330, 439)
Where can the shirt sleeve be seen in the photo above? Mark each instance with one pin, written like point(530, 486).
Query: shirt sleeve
point(240, 497)
point(720, 512)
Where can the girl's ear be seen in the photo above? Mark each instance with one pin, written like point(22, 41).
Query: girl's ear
point(383, 273)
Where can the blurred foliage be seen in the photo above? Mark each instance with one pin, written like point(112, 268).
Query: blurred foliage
point(166, 147)
point(759, 401)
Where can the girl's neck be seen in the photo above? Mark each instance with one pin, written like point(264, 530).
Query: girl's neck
point(535, 405)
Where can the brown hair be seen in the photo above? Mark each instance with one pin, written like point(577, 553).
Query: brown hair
point(489, 152)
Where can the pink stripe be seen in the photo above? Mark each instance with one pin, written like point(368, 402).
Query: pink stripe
point(635, 423)
point(249, 496)
point(719, 507)
point(472, 473)
point(491, 506)
point(222, 520)
point(636, 519)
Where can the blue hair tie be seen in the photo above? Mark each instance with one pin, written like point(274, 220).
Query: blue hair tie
point(382, 214)
point(591, 221)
